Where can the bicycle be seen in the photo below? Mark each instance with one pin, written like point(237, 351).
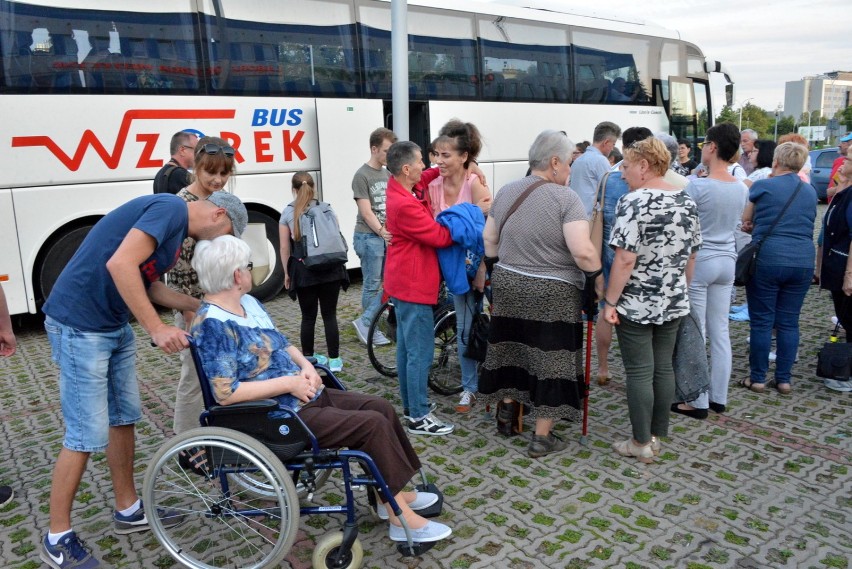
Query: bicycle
point(445, 375)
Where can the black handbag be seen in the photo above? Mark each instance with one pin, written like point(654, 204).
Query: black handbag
point(747, 257)
point(834, 359)
point(477, 341)
point(746, 263)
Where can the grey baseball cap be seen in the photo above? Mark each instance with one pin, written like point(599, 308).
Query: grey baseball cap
point(235, 208)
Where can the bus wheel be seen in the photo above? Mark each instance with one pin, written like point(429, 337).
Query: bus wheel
point(55, 257)
point(274, 281)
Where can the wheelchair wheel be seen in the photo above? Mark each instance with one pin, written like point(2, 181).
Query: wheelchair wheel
point(223, 525)
point(445, 375)
point(261, 489)
point(383, 357)
point(326, 551)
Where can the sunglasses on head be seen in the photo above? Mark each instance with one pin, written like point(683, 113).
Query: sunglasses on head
point(211, 148)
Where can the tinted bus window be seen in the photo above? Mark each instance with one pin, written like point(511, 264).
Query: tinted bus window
point(524, 61)
point(62, 50)
point(611, 68)
point(254, 58)
point(438, 68)
point(524, 72)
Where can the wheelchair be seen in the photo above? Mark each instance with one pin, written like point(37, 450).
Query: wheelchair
point(237, 482)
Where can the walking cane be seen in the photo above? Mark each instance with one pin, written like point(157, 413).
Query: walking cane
point(590, 307)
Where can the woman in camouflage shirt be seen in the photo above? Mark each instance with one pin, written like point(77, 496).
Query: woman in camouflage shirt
point(655, 237)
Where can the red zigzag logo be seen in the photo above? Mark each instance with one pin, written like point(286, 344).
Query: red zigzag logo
point(111, 160)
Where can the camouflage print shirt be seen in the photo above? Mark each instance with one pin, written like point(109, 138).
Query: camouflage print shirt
point(662, 228)
point(182, 277)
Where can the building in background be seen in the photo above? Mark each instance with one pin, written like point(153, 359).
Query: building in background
point(826, 93)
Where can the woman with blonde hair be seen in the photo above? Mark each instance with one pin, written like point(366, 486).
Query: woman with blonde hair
point(655, 237)
point(785, 264)
point(311, 286)
point(214, 168)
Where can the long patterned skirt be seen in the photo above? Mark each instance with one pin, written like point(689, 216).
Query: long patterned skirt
point(535, 346)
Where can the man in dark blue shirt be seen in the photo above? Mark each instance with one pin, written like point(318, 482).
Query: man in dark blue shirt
point(115, 273)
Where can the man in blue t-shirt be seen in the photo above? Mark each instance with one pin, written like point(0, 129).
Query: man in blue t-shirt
point(115, 273)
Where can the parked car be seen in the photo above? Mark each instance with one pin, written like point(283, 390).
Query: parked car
point(821, 161)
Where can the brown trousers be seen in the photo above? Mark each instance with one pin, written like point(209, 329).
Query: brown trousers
point(366, 423)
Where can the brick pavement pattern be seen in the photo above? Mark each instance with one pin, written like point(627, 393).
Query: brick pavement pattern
point(765, 485)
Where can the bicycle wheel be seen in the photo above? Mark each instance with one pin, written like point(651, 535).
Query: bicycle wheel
point(445, 375)
point(383, 357)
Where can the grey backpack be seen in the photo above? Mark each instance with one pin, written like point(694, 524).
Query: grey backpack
point(322, 245)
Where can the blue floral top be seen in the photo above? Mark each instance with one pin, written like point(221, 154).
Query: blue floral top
point(236, 349)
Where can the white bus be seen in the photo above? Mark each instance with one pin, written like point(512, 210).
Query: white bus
point(91, 96)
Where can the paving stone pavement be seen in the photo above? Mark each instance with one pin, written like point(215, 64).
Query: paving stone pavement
point(766, 484)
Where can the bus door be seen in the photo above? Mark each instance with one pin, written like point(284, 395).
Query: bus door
point(681, 108)
point(418, 123)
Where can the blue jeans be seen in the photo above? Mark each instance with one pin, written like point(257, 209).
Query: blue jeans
point(775, 297)
point(97, 383)
point(370, 248)
point(466, 307)
point(415, 348)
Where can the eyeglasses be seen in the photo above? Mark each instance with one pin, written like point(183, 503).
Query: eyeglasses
point(190, 147)
point(211, 149)
point(250, 266)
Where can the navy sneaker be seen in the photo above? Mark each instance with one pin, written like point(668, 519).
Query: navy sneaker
point(138, 522)
point(69, 553)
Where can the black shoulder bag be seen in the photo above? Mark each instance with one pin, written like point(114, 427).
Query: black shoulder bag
point(747, 257)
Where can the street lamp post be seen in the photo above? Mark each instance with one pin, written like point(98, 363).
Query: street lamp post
point(777, 111)
point(741, 111)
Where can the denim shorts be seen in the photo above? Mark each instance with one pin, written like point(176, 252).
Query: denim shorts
point(97, 383)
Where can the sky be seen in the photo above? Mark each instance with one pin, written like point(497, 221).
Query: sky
point(762, 44)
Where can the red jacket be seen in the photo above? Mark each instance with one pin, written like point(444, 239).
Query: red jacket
point(411, 265)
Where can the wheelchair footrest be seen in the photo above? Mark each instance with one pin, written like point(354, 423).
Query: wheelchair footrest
point(435, 509)
point(416, 550)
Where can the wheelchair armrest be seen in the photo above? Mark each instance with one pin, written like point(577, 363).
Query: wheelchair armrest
point(259, 407)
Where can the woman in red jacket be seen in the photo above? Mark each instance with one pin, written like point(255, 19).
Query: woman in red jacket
point(412, 279)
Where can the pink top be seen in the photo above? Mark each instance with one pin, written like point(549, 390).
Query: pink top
point(436, 194)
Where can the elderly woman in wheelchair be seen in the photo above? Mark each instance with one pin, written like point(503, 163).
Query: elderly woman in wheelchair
point(245, 358)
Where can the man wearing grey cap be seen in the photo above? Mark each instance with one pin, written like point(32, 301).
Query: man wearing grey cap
point(115, 274)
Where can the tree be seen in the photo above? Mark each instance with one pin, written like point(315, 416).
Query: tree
point(727, 115)
point(786, 125)
point(846, 117)
point(758, 120)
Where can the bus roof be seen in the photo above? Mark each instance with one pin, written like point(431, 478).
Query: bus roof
point(557, 12)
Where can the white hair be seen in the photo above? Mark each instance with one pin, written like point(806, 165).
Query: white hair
point(215, 262)
point(548, 144)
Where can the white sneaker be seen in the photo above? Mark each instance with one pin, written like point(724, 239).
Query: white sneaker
point(361, 331)
point(430, 425)
point(421, 502)
point(380, 339)
point(466, 402)
point(407, 417)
